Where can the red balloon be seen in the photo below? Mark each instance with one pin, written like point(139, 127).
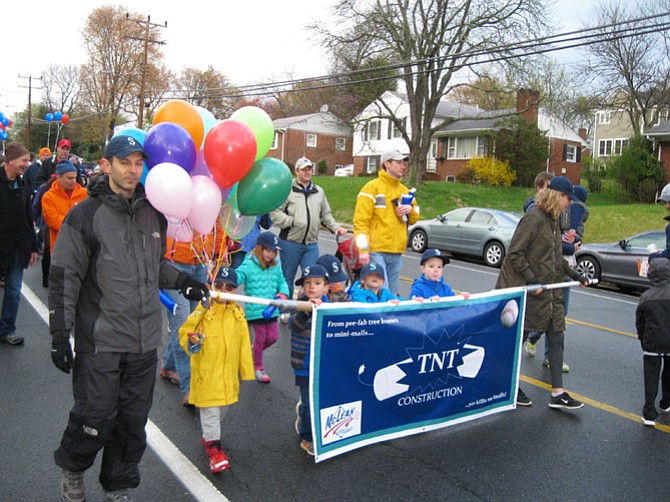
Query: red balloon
point(230, 151)
point(2, 126)
point(11, 122)
point(65, 118)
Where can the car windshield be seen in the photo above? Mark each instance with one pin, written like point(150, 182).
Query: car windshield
point(642, 241)
point(508, 219)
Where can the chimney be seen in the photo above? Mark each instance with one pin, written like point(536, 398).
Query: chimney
point(582, 133)
point(527, 104)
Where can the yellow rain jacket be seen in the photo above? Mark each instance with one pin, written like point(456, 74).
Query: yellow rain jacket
point(225, 356)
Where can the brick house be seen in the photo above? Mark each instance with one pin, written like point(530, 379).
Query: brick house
point(317, 136)
point(467, 136)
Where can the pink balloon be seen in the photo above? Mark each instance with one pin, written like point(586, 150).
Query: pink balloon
point(205, 205)
point(180, 231)
point(169, 190)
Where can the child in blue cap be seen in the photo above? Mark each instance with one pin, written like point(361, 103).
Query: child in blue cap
point(431, 285)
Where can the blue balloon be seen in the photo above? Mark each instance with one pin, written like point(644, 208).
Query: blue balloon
point(49, 117)
point(145, 171)
point(137, 134)
point(4, 135)
point(5, 121)
point(58, 115)
point(169, 142)
point(2, 115)
point(208, 121)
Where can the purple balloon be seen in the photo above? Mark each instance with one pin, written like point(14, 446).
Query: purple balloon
point(168, 142)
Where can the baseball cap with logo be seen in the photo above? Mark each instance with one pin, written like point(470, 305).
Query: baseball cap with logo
point(313, 271)
point(121, 146)
point(303, 162)
point(64, 143)
point(333, 266)
point(434, 253)
point(227, 274)
point(268, 240)
point(372, 268)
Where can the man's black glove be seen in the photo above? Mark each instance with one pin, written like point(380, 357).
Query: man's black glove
point(194, 290)
point(61, 352)
point(583, 280)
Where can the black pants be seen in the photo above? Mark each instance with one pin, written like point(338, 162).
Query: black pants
point(112, 397)
point(652, 370)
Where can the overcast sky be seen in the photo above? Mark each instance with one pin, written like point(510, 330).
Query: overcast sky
point(249, 41)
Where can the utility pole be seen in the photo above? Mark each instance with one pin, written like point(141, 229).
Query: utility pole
point(30, 106)
point(147, 25)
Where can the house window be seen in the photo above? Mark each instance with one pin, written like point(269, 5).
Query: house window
point(275, 140)
point(394, 131)
point(372, 164)
point(311, 140)
point(608, 147)
point(570, 153)
point(466, 148)
point(604, 117)
point(619, 146)
point(373, 131)
point(340, 144)
point(605, 147)
point(450, 178)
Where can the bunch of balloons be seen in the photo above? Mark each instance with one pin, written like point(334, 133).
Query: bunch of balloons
point(200, 169)
point(5, 122)
point(61, 117)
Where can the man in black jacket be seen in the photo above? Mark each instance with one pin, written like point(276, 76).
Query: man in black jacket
point(106, 269)
point(18, 246)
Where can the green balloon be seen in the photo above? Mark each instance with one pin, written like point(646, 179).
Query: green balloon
point(265, 187)
point(261, 125)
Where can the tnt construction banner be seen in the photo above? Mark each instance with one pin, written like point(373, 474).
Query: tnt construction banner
point(385, 371)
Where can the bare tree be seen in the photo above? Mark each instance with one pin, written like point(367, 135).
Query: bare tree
point(112, 74)
point(639, 65)
point(209, 89)
point(61, 88)
point(430, 42)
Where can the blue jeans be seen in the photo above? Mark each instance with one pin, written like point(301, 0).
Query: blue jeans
point(294, 254)
point(175, 359)
point(305, 428)
point(12, 296)
point(392, 264)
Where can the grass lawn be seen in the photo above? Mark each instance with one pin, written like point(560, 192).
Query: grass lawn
point(610, 220)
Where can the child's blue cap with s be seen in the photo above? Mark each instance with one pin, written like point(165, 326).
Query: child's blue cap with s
point(313, 271)
point(333, 266)
point(226, 274)
point(434, 253)
point(372, 268)
point(268, 240)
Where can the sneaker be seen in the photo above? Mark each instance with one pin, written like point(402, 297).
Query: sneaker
point(218, 461)
point(297, 417)
point(647, 422)
point(308, 446)
point(12, 339)
point(522, 399)
point(664, 409)
point(118, 496)
point(563, 400)
point(170, 375)
point(262, 376)
point(566, 368)
point(529, 347)
point(72, 486)
point(284, 317)
point(185, 400)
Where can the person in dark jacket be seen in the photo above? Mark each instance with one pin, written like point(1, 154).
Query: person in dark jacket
point(665, 198)
point(535, 257)
point(48, 168)
point(107, 266)
point(652, 321)
point(18, 245)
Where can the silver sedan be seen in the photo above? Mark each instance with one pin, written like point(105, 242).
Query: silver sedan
point(472, 231)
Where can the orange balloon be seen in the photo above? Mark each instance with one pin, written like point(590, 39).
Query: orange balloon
point(184, 114)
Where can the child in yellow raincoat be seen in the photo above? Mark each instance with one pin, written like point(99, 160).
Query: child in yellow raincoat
point(217, 339)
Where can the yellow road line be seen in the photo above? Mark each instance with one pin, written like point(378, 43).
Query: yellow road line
point(602, 328)
point(597, 404)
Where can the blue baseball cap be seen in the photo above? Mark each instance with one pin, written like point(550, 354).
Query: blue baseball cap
point(311, 272)
point(434, 253)
point(226, 274)
point(333, 267)
point(563, 185)
point(268, 240)
point(372, 268)
point(121, 146)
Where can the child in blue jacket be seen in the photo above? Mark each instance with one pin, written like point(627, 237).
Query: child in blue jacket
point(431, 285)
point(262, 277)
point(370, 287)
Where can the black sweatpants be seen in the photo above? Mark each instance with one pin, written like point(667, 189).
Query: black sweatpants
point(112, 397)
point(652, 370)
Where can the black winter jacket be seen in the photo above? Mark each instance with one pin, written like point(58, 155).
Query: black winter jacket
point(16, 221)
point(652, 317)
point(106, 269)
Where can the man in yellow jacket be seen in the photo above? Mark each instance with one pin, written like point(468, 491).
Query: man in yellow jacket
point(381, 218)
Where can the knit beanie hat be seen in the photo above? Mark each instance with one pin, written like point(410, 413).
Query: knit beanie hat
point(15, 150)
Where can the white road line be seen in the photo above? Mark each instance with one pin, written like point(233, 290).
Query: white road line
point(184, 470)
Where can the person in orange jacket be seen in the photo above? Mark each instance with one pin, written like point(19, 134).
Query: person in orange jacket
point(64, 194)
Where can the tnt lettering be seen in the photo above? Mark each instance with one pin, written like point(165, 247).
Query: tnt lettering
point(436, 361)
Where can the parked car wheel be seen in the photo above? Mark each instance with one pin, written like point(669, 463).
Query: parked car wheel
point(494, 254)
point(418, 241)
point(588, 266)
